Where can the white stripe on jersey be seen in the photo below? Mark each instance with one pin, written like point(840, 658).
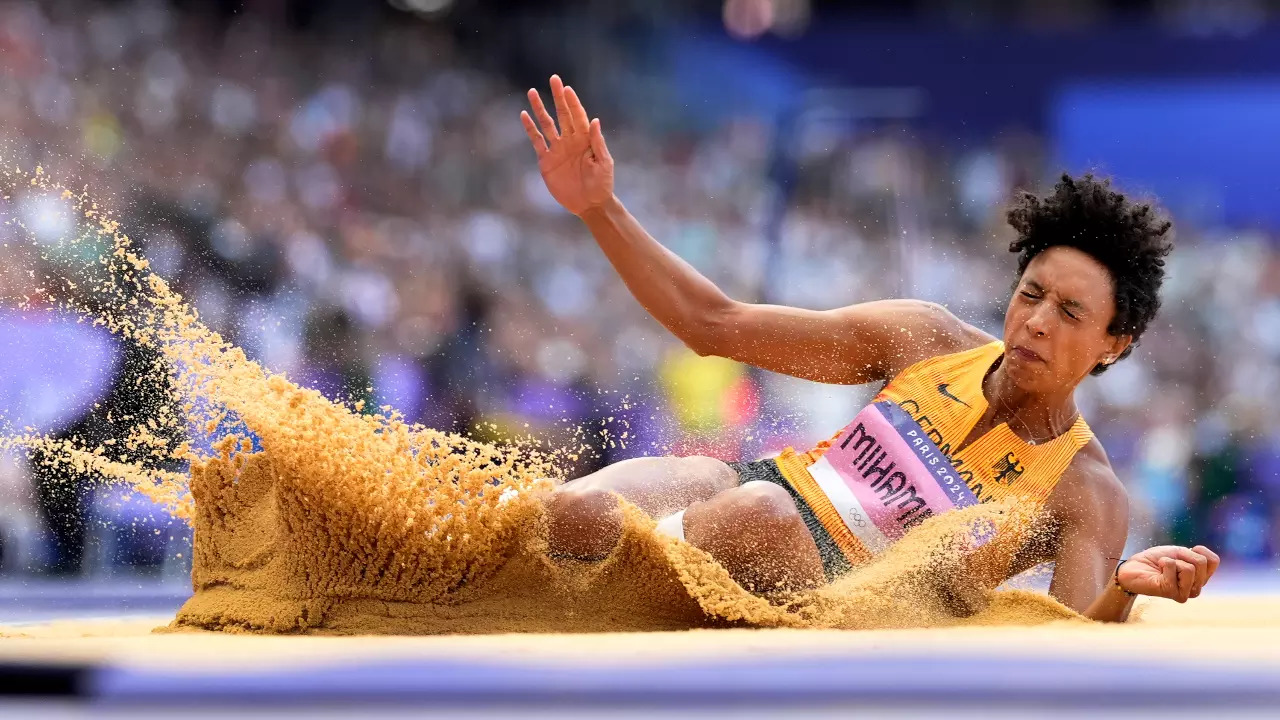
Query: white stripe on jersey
point(846, 503)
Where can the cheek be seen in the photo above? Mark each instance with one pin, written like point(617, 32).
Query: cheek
point(1078, 345)
point(1010, 318)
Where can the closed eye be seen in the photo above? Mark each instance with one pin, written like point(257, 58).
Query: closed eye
point(1026, 294)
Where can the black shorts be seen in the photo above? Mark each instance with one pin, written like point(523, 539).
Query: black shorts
point(834, 562)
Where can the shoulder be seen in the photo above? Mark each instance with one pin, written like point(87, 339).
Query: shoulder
point(1089, 490)
point(929, 330)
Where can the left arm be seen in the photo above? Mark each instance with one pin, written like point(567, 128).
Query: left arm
point(1091, 511)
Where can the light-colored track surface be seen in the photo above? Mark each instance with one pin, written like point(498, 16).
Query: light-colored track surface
point(1224, 630)
point(1219, 654)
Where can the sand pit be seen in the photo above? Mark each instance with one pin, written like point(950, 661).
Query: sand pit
point(1177, 661)
point(1222, 630)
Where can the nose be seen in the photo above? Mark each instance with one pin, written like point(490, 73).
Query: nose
point(1039, 319)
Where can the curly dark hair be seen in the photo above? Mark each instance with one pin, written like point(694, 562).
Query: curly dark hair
point(1129, 238)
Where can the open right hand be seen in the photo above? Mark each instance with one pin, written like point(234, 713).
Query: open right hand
point(574, 161)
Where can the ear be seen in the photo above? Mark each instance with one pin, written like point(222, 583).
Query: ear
point(1119, 344)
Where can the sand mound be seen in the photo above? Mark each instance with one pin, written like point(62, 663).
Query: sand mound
point(275, 552)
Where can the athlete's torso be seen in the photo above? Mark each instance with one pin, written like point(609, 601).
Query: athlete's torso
point(901, 459)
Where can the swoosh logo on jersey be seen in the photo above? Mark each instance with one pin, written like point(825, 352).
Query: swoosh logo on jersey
point(943, 390)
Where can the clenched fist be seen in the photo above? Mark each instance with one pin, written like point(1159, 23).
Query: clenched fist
point(1168, 571)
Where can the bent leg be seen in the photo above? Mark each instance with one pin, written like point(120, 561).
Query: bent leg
point(758, 535)
point(583, 517)
point(660, 485)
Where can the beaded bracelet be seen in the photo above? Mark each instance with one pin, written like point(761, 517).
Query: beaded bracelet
point(1115, 577)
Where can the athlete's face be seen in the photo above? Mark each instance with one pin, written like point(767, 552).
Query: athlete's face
point(1055, 330)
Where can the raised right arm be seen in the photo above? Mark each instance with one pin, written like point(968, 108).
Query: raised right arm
point(851, 345)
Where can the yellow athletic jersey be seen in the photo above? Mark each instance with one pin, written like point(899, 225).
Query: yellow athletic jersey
point(894, 465)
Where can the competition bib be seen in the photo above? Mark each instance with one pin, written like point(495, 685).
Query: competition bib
point(884, 476)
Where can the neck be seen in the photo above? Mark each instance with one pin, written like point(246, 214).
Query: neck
point(1042, 416)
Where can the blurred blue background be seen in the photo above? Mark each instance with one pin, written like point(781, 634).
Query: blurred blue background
point(344, 189)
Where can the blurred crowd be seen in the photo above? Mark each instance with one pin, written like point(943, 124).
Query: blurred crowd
point(367, 217)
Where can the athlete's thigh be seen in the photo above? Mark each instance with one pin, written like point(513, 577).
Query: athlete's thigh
point(660, 485)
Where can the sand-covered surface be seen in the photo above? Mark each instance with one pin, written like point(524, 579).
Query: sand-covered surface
point(1230, 630)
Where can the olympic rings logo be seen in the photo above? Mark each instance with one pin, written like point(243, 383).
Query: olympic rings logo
point(856, 517)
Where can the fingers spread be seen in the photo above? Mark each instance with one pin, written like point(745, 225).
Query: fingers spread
point(535, 137)
point(598, 147)
point(562, 105)
point(544, 117)
point(577, 113)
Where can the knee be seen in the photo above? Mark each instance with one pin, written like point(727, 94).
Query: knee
point(764, 504)
point(583, 522)
point(754, 514)
point(758, 535)
point(715, 475)
point(572, 506)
